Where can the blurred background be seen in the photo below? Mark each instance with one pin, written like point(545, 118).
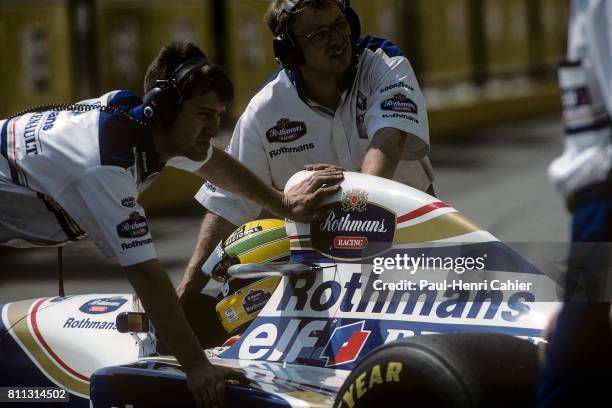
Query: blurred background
point(487, 69)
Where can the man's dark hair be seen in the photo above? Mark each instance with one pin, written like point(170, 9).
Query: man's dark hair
point(212, 77)
point(278, 22)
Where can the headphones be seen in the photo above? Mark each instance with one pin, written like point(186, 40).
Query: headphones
point(287, 51)
point(161, 103)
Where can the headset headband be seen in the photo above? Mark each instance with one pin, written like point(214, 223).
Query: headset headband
point(290, 5)
point(166, 96)
point(186, 68)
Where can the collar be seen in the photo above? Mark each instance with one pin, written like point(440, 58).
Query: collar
point(349, 81)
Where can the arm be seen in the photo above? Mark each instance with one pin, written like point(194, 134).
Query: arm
point(599, 22)
point(94, 203)
point(157, 295)
point(384, 153)
point(214, 228)
point(156, 292)
point(242, 181)
point(396, 108)
point(228, 173)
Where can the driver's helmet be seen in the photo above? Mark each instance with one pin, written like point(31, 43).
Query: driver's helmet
point(241, 300)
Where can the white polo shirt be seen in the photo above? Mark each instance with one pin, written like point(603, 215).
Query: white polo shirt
point(66, 174)
point(280, 132)
point(587, 89)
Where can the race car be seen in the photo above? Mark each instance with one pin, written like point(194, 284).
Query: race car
point(393, 296)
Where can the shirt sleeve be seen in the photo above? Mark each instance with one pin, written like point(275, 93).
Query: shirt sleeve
point(396, 101)
point(183, 163)
point(598, 26)
point(104, 203)
point(247, 148)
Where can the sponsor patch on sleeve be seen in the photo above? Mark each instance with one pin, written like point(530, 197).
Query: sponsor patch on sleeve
point(396, 85)
point(134, 227)
point(399, 103)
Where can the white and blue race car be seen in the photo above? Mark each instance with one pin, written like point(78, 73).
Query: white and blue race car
point(394, 297)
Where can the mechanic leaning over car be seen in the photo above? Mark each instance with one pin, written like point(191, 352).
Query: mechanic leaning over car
point(339, 100)
point(577, 370)
point(67, 171)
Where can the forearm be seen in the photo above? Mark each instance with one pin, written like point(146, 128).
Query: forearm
point(156, 293)
point(228, 173)
point(214, 228)
point(377, 163)
point(384, 153)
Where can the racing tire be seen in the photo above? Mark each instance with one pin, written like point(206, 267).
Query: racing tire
point(445, 370)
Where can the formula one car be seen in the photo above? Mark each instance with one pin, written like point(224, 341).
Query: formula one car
point(392, 297)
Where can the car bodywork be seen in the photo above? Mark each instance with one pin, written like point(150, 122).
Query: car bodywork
point(315, 327)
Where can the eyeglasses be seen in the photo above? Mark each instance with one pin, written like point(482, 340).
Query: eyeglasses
point(322, 36)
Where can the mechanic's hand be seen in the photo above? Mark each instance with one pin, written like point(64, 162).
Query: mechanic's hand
point(302, 198)
point(321, 166)
point(207, 383)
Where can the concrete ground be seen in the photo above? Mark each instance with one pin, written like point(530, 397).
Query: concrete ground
point(496, 176)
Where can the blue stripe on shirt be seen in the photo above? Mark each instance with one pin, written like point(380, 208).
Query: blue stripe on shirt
point(3, 139)
point(374, 43)
point(4, 151)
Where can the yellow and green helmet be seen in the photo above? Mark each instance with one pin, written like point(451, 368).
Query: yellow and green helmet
point(259, 241)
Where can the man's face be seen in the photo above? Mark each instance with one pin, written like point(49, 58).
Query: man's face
point(197, 122)
point(333, 57)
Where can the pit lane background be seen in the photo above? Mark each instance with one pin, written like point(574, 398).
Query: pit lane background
point(479, 62)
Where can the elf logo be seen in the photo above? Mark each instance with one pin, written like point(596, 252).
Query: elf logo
point(345, 344)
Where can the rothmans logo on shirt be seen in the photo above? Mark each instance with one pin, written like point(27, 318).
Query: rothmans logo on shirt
point(285, 131)
point(399, 103)
point(134, 227)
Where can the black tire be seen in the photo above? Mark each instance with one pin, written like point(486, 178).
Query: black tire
point(445, 370)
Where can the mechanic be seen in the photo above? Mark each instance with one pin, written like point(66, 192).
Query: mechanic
point(67, 171)
point(337, 100)
point(579, 355)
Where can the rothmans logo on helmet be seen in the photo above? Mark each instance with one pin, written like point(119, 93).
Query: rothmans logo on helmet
point(286, 131)
point(255, 300)
point(354, 200)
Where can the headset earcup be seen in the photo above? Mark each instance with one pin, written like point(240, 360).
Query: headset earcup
point(287, 53)
point(161, 104)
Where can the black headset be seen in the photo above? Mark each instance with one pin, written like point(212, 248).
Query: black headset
point(162, 102)
point(288, 52)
